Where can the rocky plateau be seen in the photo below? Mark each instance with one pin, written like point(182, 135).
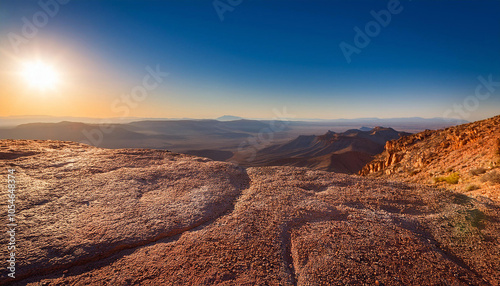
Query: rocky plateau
point(92, 216)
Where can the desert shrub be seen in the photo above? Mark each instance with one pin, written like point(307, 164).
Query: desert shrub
point(493, 177)
point(476, 218)
point(471, 188)
point(477, 171)
point(468, 223)
point(450, 179)
point(413, 172)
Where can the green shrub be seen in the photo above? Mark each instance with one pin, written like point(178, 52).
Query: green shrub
point(477, 171)
point(450, 179)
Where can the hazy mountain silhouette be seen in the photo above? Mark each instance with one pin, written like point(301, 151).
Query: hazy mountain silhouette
point(216, 139)
point(229, 118)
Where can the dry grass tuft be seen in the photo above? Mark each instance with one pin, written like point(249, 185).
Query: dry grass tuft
point(493, 177)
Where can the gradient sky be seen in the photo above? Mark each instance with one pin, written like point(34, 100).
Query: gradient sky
point(264, 55)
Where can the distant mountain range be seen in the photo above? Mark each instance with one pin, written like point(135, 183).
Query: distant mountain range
point(345, 152)
point(224, 139)
point(177, 135)
point(413, 123)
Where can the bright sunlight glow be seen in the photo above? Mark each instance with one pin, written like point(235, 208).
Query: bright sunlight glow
point(40, 75)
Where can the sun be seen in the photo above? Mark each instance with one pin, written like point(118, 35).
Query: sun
point(40, 75)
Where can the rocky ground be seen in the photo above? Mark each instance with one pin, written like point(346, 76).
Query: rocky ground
point(465, 158)
point(90, 216)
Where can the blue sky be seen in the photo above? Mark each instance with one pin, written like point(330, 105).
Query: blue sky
point(268, 54)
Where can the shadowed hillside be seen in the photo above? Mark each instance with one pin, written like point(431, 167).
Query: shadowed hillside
point(345, 152)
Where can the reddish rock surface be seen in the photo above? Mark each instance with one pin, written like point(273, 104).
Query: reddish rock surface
point(90, 216)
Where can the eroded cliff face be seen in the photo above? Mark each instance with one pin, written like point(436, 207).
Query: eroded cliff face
point(469, 152)
point(90, 216)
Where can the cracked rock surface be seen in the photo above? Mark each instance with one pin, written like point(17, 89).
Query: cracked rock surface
point(90, 216)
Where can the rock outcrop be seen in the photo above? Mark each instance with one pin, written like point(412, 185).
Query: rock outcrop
point(90, 216)
point(465, 158)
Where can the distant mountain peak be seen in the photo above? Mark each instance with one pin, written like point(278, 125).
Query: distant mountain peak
point(381, 128)
point(229, 118)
